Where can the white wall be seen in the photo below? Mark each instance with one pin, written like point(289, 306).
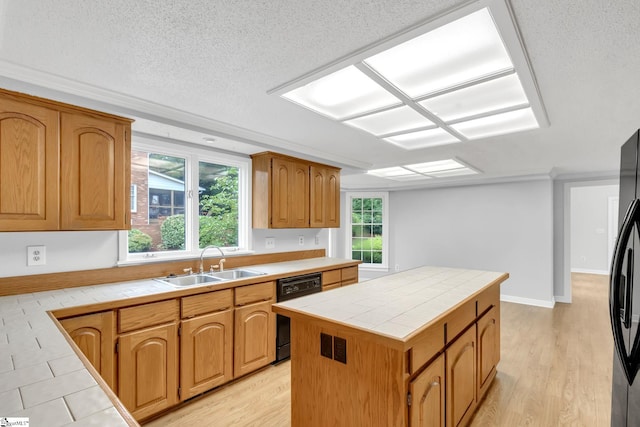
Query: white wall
point(499, 227)
point(85, 250)
point(589, 228)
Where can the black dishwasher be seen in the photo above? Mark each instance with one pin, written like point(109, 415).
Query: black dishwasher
point(287, 289)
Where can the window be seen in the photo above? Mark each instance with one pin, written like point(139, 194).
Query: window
point(368, 228)
point(182, 202)
point(134, 198)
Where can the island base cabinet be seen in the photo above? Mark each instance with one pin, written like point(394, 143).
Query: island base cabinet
point(461, 379)
point(368, 390)
point(488, 349)
point(206, 350)
point(255, 337)
point(427, 396)
point(148, 374)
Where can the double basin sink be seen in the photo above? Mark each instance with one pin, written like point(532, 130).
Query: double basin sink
point(204, 278)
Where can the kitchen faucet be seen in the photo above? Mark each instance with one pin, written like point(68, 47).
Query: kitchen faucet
point(220, 263)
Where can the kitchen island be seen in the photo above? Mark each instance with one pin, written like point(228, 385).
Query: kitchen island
point(416, 348)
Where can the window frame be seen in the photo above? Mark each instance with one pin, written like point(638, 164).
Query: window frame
point(192, 156)
point(384, 266)
point(133, 198)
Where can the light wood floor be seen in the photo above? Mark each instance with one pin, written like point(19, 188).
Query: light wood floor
point(555, 370)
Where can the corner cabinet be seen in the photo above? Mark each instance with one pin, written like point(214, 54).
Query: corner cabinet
point(95, 336)
point(294, 193)
point(62, 167)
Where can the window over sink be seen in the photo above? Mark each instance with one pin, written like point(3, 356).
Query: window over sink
point(183, 200)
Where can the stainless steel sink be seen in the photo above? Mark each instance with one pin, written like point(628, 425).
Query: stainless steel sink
point(238, 273)
point(204, 278)
point(193, 279)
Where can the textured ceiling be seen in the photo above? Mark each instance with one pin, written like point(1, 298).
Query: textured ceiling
point(206, 66)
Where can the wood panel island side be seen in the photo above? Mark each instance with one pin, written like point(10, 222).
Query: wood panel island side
point(416, 348)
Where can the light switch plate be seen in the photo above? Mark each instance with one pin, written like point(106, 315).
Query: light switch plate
point(36, 255)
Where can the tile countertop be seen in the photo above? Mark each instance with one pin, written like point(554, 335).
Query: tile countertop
point(42, 378)
point(397, 305)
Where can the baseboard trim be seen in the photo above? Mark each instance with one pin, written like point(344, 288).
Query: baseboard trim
point(589, 271)
point(528, 301)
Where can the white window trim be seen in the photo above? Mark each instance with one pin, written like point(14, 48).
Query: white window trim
point(191, 155)
point(133, 198)
point(385, 227)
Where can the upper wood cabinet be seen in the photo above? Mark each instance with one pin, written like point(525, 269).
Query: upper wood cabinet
point(325, 194)
point(294, 193)
point(29, 181)
point(62, 167)
point(95, 173)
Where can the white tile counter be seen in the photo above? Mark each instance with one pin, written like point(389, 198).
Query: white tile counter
point(396, 305)
point(42, 378)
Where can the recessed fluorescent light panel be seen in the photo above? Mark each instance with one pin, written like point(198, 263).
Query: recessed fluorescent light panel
point(436, 169)
point(465, 78)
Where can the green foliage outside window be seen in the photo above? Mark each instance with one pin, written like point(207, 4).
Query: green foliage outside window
point(139, 241)
point(366, 229)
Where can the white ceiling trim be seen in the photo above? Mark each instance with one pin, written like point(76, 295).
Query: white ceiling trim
point(90, 96)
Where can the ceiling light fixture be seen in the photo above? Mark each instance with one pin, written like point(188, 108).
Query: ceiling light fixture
point(455, 78)
point(434, 169)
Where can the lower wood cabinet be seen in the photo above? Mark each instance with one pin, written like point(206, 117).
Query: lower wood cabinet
point(206, 352)
point(95, 336)
point(461, 378)
point(488, 349)
point(148, 357)
point(427, 390)
point(148, 369)
point(332, 279)
point(255, 339)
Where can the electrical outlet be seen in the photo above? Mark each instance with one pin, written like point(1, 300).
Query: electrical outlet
point(340, 349)
point(36, 255)
point(397, 267)
point(301, 240)
point(270, 242)
point(317, 239)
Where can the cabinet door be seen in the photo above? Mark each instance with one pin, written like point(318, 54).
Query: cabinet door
point(94, 334)
point(461, 379)
point(290, 194)
point(206, 350)
point(325, 197)
point(148, 370)
point(29, 166)
point(96, 174)
point(255, 337)
point(488, 349)
point(427, 396)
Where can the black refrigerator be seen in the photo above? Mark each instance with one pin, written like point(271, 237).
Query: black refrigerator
point(624, 293)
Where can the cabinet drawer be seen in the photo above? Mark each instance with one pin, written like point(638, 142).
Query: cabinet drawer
point(255, 293)
point(206, 303)
point(142, 316)
point(427, 347)
point(329, 287)
point(459, 319)
point(330, 277)
point(349, 275)
point(489, 298)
